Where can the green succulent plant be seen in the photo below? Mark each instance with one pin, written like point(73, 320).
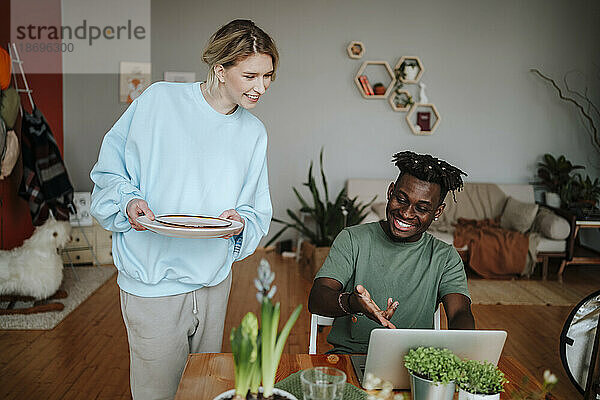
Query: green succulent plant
point(437, 365)
point(481, 378)
point(329, 217)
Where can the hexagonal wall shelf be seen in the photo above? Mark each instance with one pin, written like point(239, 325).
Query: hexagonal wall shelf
point(415, 126)
point(356, 49)
point(413, 69)
point(402, 95)
point(387, 69)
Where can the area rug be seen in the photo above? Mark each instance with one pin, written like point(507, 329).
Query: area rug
point(90, 279)
point(525, 292)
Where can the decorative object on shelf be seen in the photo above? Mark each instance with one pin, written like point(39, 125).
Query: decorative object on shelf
point(582, 101)
point(134, 78)
point(410, 69)
point(419, 126)
point(172, 76)
point(422, 96)
point(401, 101)
point(379, 89)
point(355, 49)
point(361, 72)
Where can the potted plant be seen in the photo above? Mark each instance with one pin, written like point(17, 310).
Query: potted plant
point(257, 352)
point(480, 381)
point(555, 176)
point(327, 219)
point(432, 372)
point(587, 192)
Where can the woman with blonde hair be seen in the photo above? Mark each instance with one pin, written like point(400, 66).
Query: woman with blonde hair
point(191, 148)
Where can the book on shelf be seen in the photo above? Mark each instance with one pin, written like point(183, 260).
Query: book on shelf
point(424, 120)
point(362, 85)
point(366, 85)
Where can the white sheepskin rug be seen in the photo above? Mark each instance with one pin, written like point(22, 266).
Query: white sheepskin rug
point(36, 268)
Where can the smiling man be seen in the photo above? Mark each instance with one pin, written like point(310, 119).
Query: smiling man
point(393, 273)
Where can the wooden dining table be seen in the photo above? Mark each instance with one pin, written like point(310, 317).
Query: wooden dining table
point(208, 374)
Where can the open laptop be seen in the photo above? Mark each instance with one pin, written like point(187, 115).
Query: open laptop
point(387, 347)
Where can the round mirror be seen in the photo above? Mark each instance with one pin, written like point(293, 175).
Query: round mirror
point(577, 339)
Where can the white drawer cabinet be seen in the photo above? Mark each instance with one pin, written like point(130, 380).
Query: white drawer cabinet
point(79, 251)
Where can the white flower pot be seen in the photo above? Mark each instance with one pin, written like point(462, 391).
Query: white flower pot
point(230, 393)
point(463, 395)
point(552, 199)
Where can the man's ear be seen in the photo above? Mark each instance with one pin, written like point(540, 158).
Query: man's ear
point(220, 72)
point(390, 191)
point(439, 211)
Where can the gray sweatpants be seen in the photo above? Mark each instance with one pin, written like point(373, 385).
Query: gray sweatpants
point(162, 331)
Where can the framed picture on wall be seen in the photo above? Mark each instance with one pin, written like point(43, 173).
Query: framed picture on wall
point(172, 76)
point(134, 78)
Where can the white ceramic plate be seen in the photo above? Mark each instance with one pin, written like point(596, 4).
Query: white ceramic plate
point(190, 233)
point(193, 221)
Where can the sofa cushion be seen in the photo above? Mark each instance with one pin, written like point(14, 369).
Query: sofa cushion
point(447, 237)
point(476, 201)
point(551, 246)
point(518, 216)
point(551, 225)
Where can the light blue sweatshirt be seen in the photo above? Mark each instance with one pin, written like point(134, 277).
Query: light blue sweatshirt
point(172, 149)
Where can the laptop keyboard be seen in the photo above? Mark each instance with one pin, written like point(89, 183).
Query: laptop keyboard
point(358, 363)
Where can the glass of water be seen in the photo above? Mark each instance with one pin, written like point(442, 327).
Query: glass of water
point(323, 383)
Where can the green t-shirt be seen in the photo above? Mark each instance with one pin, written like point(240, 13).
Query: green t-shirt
point(417, 275)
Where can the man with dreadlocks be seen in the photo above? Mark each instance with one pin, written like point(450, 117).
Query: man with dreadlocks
point(395, 263)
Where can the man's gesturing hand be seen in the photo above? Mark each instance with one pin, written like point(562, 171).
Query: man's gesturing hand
point(135, 208)
point(367, 306)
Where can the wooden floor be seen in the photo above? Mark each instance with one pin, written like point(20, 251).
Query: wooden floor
point(86, 355)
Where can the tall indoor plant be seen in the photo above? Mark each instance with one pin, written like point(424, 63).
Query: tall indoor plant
point(326, 218)
point(555, 176)
point(586, 191)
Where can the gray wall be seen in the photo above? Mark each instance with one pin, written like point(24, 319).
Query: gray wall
point(497, 118)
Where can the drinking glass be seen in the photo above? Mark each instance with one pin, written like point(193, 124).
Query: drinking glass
point(323, 383)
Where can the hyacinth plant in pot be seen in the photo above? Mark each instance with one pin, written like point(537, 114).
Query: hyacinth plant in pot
point(480, 381)
point(257, 350)
point(433, 373)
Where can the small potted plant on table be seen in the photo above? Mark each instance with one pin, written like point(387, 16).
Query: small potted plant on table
point(257, 352)
point(433, 373)
point(480, 381)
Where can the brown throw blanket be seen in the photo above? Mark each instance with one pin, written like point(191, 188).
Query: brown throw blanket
point(493, 252)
